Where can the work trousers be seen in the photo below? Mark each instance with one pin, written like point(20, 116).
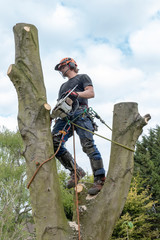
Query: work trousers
point(86, 139)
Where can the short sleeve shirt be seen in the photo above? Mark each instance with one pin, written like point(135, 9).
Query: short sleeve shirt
point(82, 80)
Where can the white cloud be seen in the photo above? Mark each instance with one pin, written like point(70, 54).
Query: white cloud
point(9, 122)
point(145, 44)
point(6, 49)
point(114, 19)
point(8, 96)
point(60, 19)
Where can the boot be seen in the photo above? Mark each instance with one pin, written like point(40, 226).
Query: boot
point(80, 174)
point(97, 186)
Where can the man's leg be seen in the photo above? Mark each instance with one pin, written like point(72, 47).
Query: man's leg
point(96, 164)
point(68, 162)
point(63, 155)
point(88, 146)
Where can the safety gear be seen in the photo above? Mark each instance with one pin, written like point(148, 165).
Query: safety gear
point(80, 174)
point(95, 158)
point(97, 186)
point(66, 61)
point(67, 105)
point(73, 95)
point(97, 166)
point(67, 161)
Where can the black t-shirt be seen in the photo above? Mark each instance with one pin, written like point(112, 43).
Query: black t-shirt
point(82, 80)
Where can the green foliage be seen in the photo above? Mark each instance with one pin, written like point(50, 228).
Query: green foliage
point(68, 194)
point(142, 207)
point(15, 209)
point(147, 164)
point(136, 219)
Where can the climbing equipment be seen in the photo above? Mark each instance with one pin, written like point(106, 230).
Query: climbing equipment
point(121, 145)
point(75, 170)
point(93, 115)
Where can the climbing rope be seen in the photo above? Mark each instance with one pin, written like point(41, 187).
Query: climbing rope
point(130, 149)
point(75, 174)
point(63, 132)
point(43, 163)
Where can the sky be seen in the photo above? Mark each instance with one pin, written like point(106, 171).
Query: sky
point(115, 42)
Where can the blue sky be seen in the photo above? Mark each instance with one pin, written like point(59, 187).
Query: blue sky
point(116, 42)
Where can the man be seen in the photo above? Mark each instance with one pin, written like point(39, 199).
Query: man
point(83, 91)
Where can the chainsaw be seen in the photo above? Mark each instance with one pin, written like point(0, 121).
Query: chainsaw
point(65, 106)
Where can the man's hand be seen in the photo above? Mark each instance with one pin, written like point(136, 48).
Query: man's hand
point(73, 96)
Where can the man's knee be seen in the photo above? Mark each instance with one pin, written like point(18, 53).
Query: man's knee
point(87, 146)
point(90, 148)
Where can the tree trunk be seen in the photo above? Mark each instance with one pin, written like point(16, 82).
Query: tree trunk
point(34, 125)
point(102, 211)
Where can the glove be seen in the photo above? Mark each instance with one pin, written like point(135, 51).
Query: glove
point(73, 96)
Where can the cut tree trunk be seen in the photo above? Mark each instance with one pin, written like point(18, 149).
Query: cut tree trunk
point(34, 125)
point(102, 212)
point(99, 214)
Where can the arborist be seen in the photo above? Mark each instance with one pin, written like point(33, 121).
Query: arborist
point(82, 90)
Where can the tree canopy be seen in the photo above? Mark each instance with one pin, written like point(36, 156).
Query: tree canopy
point(147, 165)
point(141, 214)
point(15, 209)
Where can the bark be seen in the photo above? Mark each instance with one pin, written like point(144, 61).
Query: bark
point(34, 125)
point(98, 215)
point(103, 211)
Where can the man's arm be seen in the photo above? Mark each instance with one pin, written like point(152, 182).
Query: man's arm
point(87, 93)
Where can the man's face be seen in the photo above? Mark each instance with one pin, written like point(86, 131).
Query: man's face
point(64, 69)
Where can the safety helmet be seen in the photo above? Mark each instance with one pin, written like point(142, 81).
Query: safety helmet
point(66, 61)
